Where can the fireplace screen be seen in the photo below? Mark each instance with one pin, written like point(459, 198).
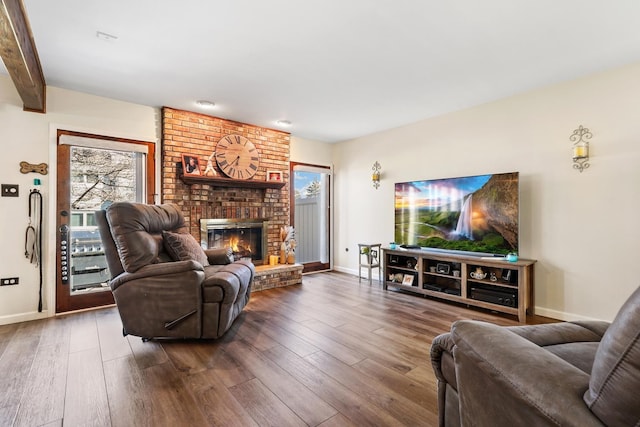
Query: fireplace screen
point(246, 237)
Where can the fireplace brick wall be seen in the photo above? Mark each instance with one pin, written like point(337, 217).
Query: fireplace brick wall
point(185, 132)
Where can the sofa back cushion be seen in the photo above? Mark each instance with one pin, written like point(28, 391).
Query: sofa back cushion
point(615, 379)
point(137, 231)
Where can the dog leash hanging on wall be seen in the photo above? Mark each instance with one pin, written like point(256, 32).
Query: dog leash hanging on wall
point(33, 235)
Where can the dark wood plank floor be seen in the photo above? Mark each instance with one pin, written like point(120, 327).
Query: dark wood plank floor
point(331, 352)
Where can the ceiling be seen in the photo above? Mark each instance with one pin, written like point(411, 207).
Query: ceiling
point(335, 69)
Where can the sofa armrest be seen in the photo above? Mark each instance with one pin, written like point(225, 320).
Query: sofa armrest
point(443, 365)
point(505, 380)
point(562, 332)
point(439, 346)
point(155, 270)
point(219, 256)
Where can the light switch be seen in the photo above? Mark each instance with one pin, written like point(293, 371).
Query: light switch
point(10, 190)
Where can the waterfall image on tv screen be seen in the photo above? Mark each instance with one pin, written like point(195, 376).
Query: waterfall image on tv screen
point(471, 214)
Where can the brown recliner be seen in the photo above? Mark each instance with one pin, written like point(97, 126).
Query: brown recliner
point(583, 373)
point(164, 284)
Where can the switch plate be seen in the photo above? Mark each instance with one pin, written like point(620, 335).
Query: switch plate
point(9, 281)
point(10, 190)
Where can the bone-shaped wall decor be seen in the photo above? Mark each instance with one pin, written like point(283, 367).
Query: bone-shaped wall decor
point(26, 167)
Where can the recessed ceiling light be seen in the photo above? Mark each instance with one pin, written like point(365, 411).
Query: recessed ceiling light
point(285, 123)
point(205, 104)
point(106, 37)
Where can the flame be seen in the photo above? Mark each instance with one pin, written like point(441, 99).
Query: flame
point(233, 243)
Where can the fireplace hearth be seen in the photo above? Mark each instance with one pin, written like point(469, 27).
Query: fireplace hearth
point(246, 237)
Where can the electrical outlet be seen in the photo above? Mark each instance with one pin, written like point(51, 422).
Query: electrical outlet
point(9, 281)
point(10, 190)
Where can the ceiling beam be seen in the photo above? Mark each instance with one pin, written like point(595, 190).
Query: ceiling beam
point(20, 57)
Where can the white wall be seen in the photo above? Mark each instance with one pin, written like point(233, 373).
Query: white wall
point(30, 137)
point(579, 226)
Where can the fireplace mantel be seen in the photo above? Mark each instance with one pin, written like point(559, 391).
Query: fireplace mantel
point(218, 181)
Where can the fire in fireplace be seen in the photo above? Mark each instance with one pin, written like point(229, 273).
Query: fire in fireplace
point(246, 237)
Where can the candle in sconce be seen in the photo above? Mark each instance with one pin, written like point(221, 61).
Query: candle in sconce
point(579, 152)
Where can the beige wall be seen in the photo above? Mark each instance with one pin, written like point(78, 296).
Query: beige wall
point(28, 137)
point(579, 226)
point(312, 152)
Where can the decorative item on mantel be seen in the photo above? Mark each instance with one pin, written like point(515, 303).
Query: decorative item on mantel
point(210, 171)
point(580, 138)
point(288, 245)
point(274, 176)
point(375, 176)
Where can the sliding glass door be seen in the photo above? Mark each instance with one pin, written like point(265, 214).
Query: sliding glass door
point(311, 212)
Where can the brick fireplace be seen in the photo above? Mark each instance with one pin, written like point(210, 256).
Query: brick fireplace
point(185, 132)
point(192, 133)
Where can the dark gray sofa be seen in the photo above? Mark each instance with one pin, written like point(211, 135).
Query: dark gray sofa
point(569, 374)
point(164, 284)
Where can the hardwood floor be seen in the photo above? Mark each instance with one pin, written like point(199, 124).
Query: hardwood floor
point(331, 352)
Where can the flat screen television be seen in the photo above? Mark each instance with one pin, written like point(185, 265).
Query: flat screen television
point(472, 214)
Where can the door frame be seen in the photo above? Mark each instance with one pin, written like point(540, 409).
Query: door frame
point(314, 266)
point(79, 302)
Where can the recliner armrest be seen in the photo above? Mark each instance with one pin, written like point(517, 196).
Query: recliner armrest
point(154, 270)
point(506, 380)
point(228, 280)
point(219, 256)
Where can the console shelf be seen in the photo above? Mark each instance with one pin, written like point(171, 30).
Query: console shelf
point(503, 286)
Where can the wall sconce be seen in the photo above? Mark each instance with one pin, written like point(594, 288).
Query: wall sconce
point(580, 138)
point(375, 176)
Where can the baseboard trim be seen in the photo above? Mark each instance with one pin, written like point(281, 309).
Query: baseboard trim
point(560, 315)
point(352, 272)
point(24, 317)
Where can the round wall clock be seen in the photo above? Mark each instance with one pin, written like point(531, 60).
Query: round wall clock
point(237, 157)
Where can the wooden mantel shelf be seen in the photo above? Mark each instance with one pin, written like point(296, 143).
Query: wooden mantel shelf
point(218, 181)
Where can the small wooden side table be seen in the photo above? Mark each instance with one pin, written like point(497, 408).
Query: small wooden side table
point(370, 259)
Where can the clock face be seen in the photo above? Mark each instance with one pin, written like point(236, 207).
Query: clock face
point(237, 157)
